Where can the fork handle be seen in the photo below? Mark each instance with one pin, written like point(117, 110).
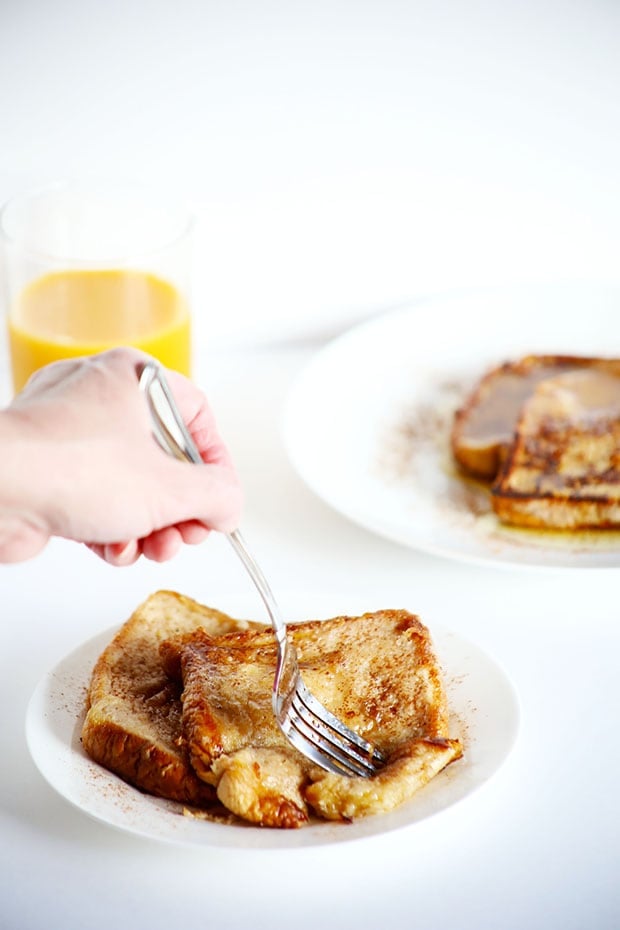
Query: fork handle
point(174, 437)
point(261, 585)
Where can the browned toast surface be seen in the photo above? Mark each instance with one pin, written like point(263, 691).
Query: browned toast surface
point(563, 468)
point(133, 719)
point(484, 426)
point(377, 672)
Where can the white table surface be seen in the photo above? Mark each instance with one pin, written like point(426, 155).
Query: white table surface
point(536, 846)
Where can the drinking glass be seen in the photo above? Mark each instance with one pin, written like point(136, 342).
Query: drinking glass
point(90, 267)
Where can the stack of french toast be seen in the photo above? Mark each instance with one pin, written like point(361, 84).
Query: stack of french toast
point(543, 433)
point(179, 705)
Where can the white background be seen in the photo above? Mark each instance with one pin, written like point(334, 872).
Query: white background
point(343, 158)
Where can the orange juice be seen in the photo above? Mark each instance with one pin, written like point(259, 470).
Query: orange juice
point(70, 313)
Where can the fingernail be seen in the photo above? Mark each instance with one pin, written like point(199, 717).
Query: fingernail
point(119, 552)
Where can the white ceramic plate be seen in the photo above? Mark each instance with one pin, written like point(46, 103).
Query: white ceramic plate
point(485, 716)
point(367, 422)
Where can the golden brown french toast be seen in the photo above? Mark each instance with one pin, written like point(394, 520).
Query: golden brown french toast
point(562, 470)
point(377, 672)
point(484, 426)
point(133, 719)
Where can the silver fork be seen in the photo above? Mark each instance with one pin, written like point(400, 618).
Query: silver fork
point(305, 722)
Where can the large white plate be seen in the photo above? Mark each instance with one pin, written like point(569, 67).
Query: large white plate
point(367, 422)
point(484, 715)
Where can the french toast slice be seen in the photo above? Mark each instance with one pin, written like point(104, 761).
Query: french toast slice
point(377, 672)
point(133, 719)
point(563, 468)
point(484, 426)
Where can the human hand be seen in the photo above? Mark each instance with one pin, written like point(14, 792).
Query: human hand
point(80, 462)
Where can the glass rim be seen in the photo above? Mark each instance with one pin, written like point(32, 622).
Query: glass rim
point(185, 226)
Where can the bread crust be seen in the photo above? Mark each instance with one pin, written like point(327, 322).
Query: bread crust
point(133, 718)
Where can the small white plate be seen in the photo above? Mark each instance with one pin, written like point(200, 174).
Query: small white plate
point(485, 716)
point(367, 422)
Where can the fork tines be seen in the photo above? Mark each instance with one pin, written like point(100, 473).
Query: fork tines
point(317, 732)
